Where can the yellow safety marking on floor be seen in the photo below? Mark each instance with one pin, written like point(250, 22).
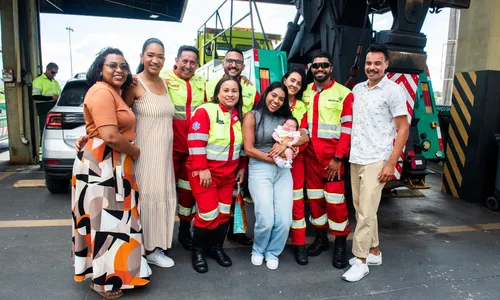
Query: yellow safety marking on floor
point(35, 223)
point(29, 183)
point(465, 228)
point(41, 223)
point(4, 175)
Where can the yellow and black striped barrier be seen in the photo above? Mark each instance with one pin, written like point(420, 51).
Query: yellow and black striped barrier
point(469, 170)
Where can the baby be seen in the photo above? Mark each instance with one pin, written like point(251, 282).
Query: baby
point(288, 134)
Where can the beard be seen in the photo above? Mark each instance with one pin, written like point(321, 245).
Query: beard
point(321, 78)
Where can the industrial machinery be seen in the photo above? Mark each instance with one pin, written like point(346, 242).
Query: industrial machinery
point(344, 29)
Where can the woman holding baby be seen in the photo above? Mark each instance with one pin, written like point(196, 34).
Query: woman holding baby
point(270, 185)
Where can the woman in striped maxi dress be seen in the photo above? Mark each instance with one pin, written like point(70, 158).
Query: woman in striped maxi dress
point(154, 169)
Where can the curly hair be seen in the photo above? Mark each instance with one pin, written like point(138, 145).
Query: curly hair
point(239, 105)
point(94, 74)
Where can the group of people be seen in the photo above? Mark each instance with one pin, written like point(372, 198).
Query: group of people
point(183, 144)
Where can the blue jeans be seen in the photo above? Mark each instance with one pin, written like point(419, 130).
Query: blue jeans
point(271, 188)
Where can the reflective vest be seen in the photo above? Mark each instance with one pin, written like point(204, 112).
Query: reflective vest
point(249, 92)
point(324, 110)
point(186, 95)
point(225, 142)
point(298, 110)
point(44, 86)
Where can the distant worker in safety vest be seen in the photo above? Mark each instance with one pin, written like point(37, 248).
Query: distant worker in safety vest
point(233, 65)
point(45, 87)
point(329, 114)
point(187, 91)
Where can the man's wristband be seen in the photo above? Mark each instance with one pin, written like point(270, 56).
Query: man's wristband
point(337, 158)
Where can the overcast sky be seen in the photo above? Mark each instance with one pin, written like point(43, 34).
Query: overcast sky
point(91, 34)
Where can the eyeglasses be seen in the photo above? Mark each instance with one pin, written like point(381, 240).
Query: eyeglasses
point(236, 61)
point(322, 65)
point(113, 66)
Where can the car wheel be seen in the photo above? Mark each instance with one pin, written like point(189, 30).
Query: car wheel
point(57, 186)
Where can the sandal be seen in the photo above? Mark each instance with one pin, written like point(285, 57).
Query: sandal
point(114, 294)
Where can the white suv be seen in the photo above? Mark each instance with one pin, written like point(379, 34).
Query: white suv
point(64, 124)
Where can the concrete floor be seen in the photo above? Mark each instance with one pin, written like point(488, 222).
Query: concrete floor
point(434, 247)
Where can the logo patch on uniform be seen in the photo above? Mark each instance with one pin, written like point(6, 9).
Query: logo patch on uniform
point(235, 118)
point(340, 98)
point(196, 126)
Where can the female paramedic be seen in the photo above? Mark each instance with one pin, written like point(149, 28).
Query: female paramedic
point(215, 141)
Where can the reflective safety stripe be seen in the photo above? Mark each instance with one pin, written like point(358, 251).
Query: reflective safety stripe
point(197, 151)
point(337, 226)
point(328, 135)
point(242, 152)
point(346, 119)
point(319, 221)
point(197, 137)
point(209, 216)
point(216, 152)
point(333, 198)
point(299, 224)
point(346, 130)
point(306, 131)
point(182, 108)
point(185, 211)
point(180, 116)
point(183, 184)
point(326, 127)
point(36, 91)
point(315, 194)
point(224, 208)
point(298, 194)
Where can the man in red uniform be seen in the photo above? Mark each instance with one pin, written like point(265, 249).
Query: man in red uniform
point(329, 113)
point(187, 91)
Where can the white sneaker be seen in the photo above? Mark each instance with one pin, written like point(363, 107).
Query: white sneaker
point(356, 272)
point(272, 264)
point(159, 258)
point(257, 260)
point(371, 259)
point(288, 164)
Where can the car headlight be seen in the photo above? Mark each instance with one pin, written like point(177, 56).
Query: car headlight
point(426, 145)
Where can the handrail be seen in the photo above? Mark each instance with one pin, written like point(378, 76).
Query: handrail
point(224, 31)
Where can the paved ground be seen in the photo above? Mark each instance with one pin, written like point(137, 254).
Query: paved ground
point(434, 247)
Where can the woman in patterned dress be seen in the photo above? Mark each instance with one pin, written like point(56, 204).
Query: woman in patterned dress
point(107, 232)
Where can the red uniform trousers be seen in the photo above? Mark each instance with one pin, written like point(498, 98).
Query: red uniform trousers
point(213, 203)
point(326, 198)
point(298, 229)
point(184, 194)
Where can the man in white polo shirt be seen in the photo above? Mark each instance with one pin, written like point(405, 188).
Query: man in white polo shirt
point(379, 109)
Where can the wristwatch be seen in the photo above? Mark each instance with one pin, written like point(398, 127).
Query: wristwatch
point(337, 158)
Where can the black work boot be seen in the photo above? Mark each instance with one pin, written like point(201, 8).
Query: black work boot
point(240, 238)
point(340, 252)
point(184, 236)
point(320, 243)
point(301, 255)
point(200, 239)
point(216, 252)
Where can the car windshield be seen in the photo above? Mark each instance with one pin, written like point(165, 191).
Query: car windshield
point(73, 93)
